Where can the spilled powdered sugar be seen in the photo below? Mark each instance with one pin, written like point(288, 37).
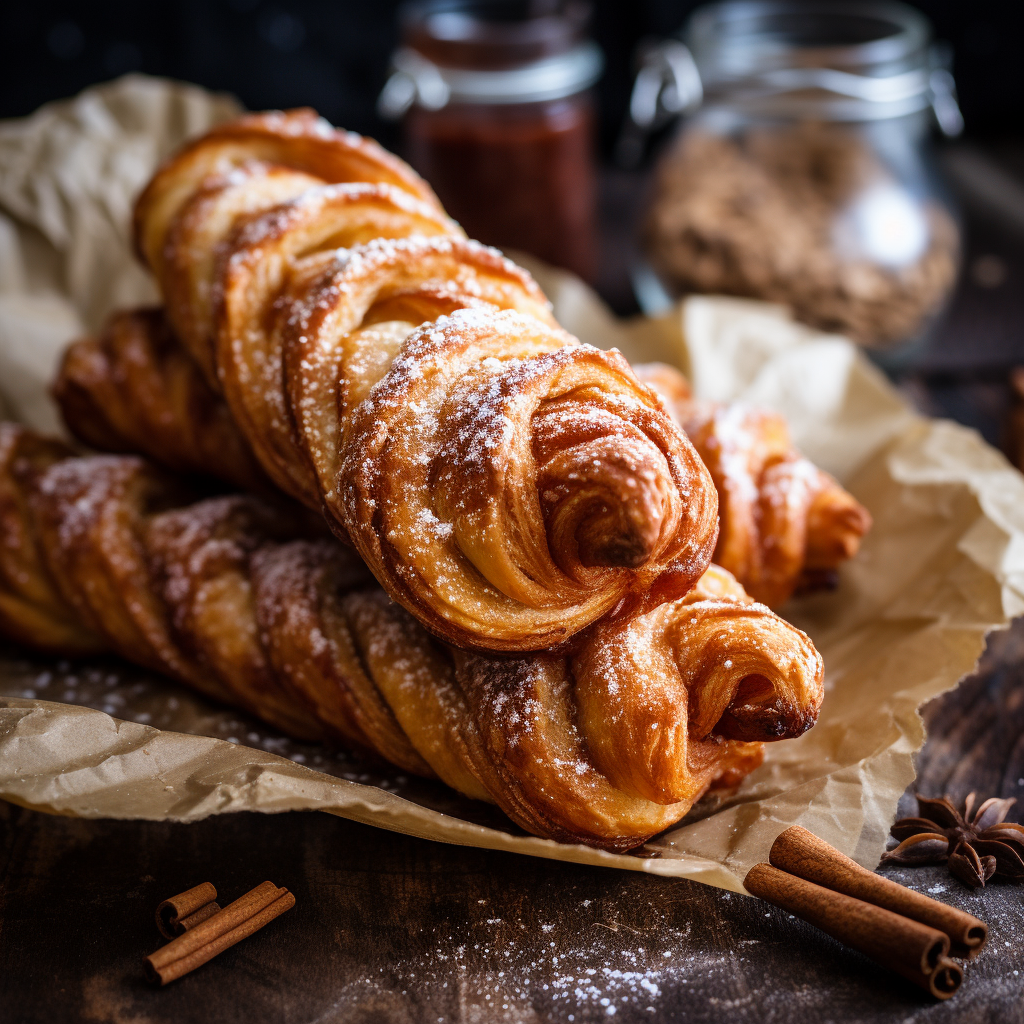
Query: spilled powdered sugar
point(133, 694)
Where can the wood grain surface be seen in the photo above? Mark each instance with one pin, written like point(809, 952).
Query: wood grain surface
point(390, 928)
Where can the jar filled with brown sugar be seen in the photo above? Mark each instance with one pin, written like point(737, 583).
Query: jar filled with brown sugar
point(800, 175)
point(498, 117)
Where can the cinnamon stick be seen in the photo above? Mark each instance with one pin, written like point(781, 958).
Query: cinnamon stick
point(235, 922)
point(197, 918)
point(184, 911)
point(803, 854)
point(910, 948)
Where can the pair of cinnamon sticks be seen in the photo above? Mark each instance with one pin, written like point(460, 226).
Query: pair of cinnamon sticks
point(896, 927)
point(199, 929)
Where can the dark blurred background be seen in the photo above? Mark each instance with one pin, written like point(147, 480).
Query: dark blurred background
point(333, 54)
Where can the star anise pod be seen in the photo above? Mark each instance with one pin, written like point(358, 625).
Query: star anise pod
point(976, 845)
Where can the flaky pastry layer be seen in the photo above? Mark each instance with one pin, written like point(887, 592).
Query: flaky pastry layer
point(509, 485)
point(607, 746)
point(786, 526)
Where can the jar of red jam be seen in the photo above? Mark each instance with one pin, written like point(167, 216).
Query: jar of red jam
point(499, 119)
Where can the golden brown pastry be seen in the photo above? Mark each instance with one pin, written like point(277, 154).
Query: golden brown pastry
point(134, 389)
point(31, 605)
point(786, 525)
point(299, 142)
point(606, 747)
point(507, 484)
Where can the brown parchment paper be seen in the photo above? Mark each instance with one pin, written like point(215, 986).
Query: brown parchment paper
point(943, 565)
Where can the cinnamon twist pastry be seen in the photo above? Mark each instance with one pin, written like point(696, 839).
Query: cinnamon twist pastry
point(134, 389)
point(786, 526)
point(606, 747)
point(507, 484)
point(32, 608)
point(298, 141)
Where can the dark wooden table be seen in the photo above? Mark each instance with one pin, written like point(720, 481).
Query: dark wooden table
point(389, 928)
point(393, 929)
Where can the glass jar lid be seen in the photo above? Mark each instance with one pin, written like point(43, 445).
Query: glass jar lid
point(849, 61)
point(468, 51)
point(862, 60)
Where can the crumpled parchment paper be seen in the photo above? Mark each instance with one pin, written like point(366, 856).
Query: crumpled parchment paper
point(943, 565)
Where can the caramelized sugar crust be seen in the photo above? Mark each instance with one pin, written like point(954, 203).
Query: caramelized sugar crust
point(507, 484)
point(786, 526)
point(606, 746)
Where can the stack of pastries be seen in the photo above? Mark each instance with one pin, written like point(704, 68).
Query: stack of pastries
point(444, 532)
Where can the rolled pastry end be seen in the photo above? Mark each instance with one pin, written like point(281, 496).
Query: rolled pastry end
point(836, 524)
point(662, 698)
point(760, 712)
point(612, 506)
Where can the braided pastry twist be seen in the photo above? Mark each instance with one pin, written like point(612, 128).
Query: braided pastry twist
point(134, 389)
point(506, 483)
point(32, 607)
point(606, 747)
point(297, 140)
point(786, 526)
